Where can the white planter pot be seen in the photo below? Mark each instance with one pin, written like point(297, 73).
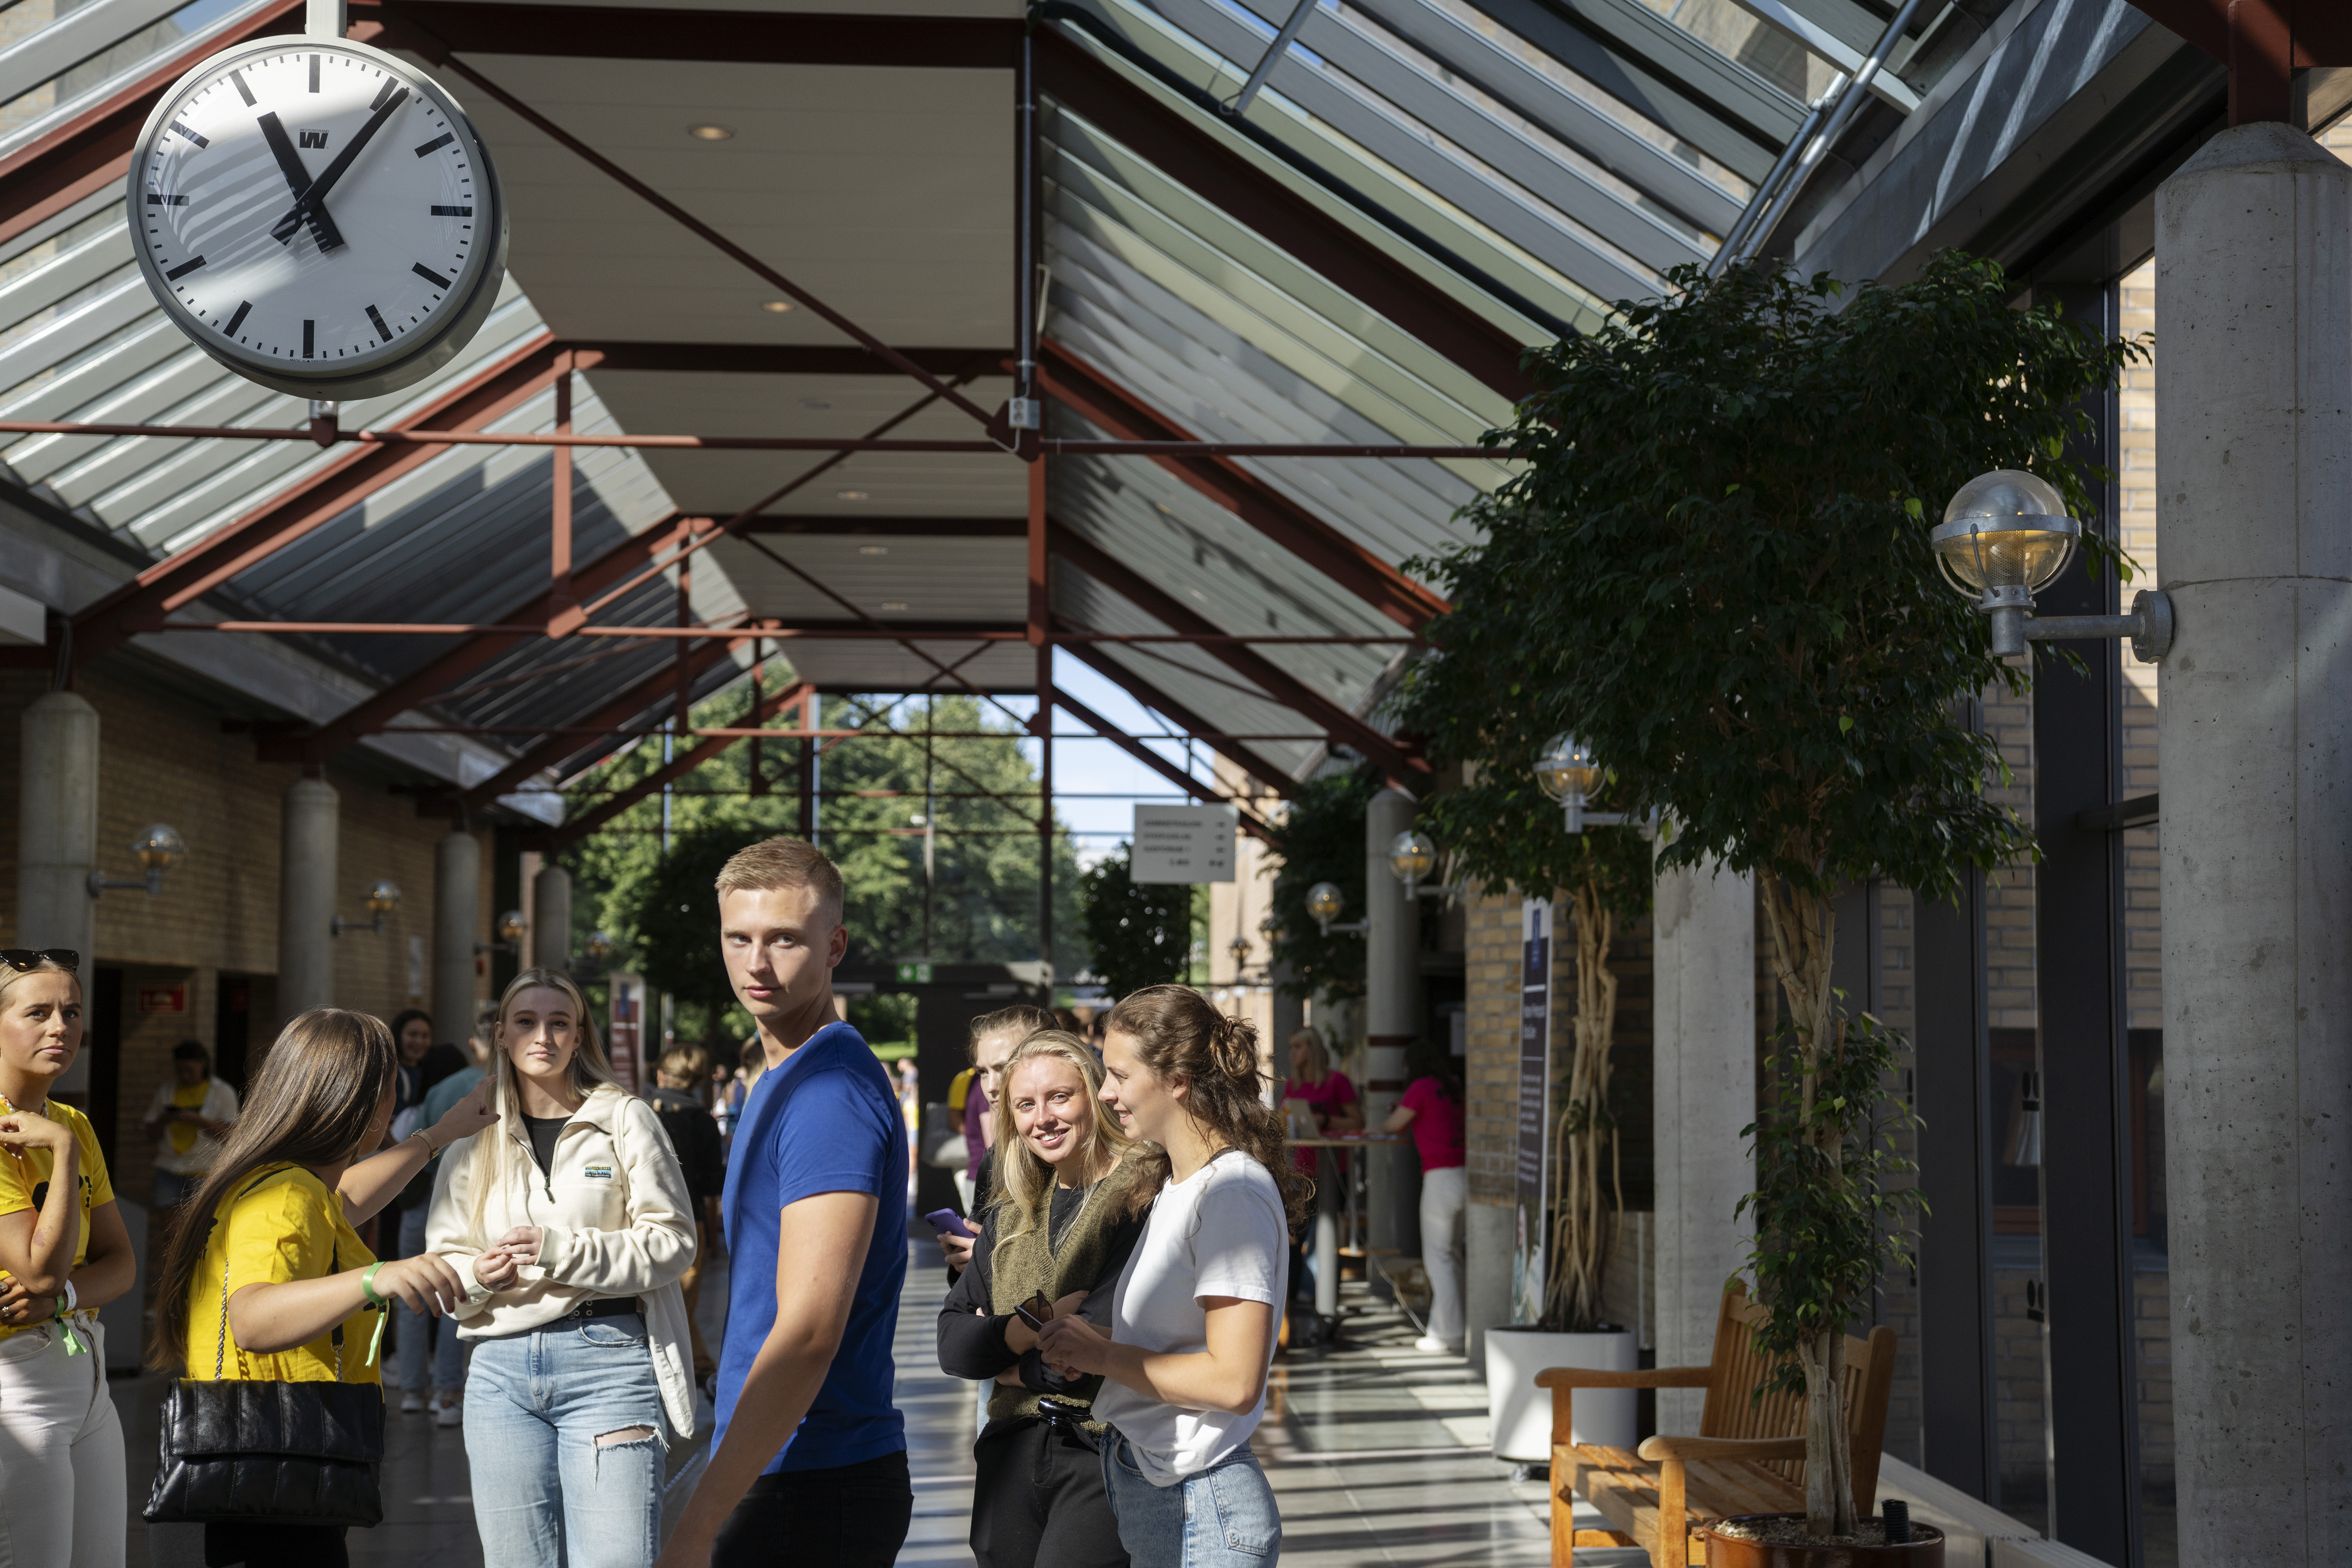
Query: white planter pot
point(1520, 1413)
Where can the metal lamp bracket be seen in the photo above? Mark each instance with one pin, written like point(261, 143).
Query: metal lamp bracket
point(1352, 928)
point(343, 923)
point(2149, 626)
point(152, 883)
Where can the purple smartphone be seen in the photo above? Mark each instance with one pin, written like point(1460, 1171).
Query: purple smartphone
point(948, 1222)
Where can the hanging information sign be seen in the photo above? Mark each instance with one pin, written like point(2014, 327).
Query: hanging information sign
point(1184, 843)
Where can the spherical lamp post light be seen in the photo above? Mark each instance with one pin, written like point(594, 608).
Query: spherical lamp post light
point(158, 848)
point(2005, 537)
point(382, 899)
point(1411, 856)
point(1324, 903)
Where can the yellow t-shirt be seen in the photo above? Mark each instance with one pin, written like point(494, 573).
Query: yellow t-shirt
point(188, 1097)
point(25, 1180)
point(280, 1224)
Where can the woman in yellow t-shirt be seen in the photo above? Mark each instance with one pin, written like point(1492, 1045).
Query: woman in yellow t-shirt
point(266, 1278)
point(63, 1254)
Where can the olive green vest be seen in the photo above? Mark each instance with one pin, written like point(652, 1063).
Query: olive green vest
point(1020, 1266)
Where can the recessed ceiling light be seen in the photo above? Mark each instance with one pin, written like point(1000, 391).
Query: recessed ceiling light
point(776, 307)
point(894, 603)
point(709, 132)
point(850, 495)
point(874, 550)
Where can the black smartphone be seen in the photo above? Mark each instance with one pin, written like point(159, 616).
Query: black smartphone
point(1036, 1311)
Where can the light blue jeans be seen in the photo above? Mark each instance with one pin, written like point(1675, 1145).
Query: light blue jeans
point(545, 1491)
point(418, 1331)
point(1221, 1518)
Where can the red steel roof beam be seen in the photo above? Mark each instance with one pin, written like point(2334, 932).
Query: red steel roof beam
point(677, 768)
point(1167, 707)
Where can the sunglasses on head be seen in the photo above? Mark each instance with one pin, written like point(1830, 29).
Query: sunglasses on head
point(28, 958)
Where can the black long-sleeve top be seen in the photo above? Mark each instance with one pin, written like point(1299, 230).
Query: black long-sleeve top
point(971, 1337)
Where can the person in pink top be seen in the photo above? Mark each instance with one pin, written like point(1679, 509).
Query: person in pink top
point(1329, 1099)
point(1431, 1108)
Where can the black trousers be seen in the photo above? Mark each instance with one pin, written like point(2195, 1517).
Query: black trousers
point(851, 1516)
point(1038, 1500)
point(270, 1545)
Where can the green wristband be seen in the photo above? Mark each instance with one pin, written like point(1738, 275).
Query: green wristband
point(367, 1287)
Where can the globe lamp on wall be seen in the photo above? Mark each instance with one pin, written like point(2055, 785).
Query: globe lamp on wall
point(158, 848)
point(1411, 856)
point(382, 899)
point(2005, 537)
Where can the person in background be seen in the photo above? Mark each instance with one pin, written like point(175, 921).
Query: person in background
point(412, 1031)
point(270, 1238)
point(1431, 1108)
point(1319, 1094)
point(1192, 1319)
point(420, 1335)
point(570, 1224)
point(808, 1460)
point(726, 1099)
point(189, 1116)
point(1065, 1215)
point(677, 1101)
point(65, 1253)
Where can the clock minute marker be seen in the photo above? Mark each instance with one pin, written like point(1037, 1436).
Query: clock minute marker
point(184, 267)
point(200, 141)
point(309, 336)
point(158, 201)
point(381, 332)
point(243, 308)
point(243, 92)
point(431, 276)
point(439, 211)
point(436, 143)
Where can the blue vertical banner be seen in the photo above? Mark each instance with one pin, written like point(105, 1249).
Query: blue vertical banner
point(1527, 1273)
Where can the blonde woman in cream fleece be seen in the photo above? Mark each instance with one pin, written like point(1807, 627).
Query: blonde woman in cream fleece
point(570, 1222)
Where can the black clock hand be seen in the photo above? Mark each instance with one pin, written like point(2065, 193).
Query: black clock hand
point(308, 200)
point(297, 179)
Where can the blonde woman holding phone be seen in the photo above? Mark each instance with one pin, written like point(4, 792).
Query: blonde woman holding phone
point(571, 1223)
point(1063, 1214)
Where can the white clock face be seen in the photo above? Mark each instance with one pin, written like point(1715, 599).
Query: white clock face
point(317, 215)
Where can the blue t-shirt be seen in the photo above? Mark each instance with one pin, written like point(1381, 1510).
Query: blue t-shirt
point(825, 1121)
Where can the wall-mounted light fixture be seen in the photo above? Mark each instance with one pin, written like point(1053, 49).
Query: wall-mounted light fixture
point(509, 932)
point(382, 899)
point(1411, 857)
point(158, 848)
point(1567, 771)
point(2005, 537)
point(1325, 902)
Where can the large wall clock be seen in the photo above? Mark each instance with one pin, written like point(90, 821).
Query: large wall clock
point(318, 216)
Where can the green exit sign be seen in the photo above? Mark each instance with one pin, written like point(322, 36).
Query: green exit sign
point(914, 975)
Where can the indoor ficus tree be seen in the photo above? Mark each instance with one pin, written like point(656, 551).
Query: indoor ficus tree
point(1503, 831)
point(1714, 567)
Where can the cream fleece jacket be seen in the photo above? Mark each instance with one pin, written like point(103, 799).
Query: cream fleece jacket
point(616, 1221)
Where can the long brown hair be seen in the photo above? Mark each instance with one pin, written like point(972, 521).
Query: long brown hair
point(1026, 1181)
point(313, 1100)
point(1181, 1035)
point(496, 1157)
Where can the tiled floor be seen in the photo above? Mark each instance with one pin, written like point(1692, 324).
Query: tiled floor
point(1377, 1454)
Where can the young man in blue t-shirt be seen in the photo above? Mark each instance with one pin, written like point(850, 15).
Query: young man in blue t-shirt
point(809, 1460)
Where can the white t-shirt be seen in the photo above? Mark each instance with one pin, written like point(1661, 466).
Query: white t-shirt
point(1219, 1232)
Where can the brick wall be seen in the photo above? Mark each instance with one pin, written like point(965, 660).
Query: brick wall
point(163, 758)
point(1491, 1000)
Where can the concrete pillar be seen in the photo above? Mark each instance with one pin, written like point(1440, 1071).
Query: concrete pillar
point(456, 923)
point(1704, 1020)
point(1391, 1009)
point(2253, 456)
point(57, 836)
point(1489, 1237)
point(309, 835)
point(551, 918)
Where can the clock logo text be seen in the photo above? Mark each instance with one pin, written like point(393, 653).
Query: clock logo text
point(311, 138)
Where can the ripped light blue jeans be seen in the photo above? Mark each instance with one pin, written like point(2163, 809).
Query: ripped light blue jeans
point(1223, 1518)
point(546, 1493)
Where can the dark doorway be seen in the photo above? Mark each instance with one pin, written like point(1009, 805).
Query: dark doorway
point(103, 1041)
point(232, 1029)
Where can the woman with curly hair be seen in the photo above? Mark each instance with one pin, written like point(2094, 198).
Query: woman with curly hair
point(1192, 1322)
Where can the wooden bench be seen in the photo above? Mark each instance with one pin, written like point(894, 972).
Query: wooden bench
point(1748, 1458)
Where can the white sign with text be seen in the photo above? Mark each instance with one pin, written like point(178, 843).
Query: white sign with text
point(1184, 843)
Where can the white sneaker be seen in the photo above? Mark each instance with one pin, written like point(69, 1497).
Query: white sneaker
point(1433, 1345)
point(451, 1413)
point(411, 1401)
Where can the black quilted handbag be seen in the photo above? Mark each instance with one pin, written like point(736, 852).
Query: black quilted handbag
point(245, 1450)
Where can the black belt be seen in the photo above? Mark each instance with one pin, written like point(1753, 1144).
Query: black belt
point(608, 1306)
